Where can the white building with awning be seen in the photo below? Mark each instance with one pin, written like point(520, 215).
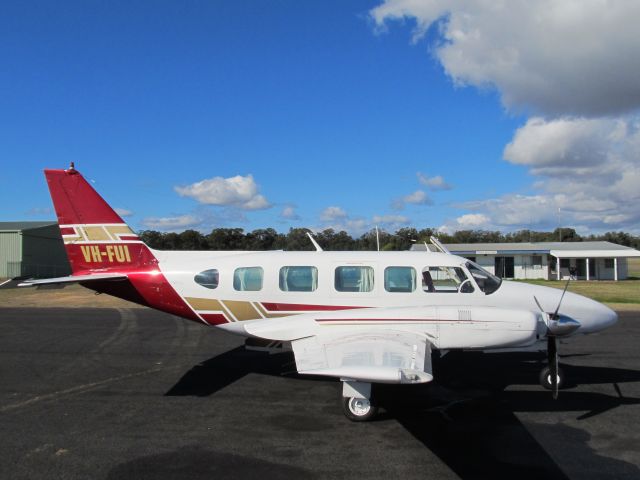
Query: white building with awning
point(548, 260)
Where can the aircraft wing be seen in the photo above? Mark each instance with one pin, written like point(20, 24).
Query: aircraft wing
point(393, 344)
point(73, 279)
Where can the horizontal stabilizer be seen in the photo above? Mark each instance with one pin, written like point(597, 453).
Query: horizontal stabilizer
point(73, 279)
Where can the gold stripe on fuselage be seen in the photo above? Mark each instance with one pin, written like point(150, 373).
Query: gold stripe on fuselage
point(232, 309)
point(204, 304)
point(242, 310)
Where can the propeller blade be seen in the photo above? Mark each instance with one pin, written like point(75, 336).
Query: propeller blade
point(538, 303)
point(555, 314)
point(552, 355)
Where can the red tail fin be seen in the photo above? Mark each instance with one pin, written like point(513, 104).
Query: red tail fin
point(94, 235)
point(98, 241)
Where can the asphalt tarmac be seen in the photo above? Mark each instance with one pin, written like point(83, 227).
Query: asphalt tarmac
point(136, 394)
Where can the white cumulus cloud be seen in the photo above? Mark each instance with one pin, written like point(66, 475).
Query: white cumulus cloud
point(123, 212)
point(338, 219)
point(577, 57)
point(331, 214)
point(289, 213)
point(434, 183)
point(179, 222)
point(241, 192)
point(419, 197)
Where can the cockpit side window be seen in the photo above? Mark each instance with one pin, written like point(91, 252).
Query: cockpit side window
point(486, 281)
point(208, 278)
point(446, 280)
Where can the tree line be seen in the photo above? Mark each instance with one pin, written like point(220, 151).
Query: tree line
point(329, 239)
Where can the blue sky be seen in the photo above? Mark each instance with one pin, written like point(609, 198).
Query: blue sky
point(321, 114)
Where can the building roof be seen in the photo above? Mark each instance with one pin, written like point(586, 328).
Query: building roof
point(557, 249)
point(19, 226)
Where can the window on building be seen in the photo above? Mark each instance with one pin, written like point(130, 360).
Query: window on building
point(298, 279)
point(608, 263)
point(354, 279)
point(445, 280)
point(208, 278)
point(248, 279)
point(399, 279)
point(536, 261)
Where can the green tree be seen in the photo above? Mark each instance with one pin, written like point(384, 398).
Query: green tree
point(226, 239)
point(263, 239)
point(193, 240)
point(153, 239)
point(297, 240)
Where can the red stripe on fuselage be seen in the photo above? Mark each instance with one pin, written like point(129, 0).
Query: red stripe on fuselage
point(214, 318)
point(433, 320)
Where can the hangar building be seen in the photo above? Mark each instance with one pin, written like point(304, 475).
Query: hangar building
point(32, 249)
point(580, 260)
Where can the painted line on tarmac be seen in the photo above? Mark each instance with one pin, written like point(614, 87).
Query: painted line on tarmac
point(5, 282)
point(81, 388)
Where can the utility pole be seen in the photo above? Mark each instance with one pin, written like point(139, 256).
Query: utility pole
point(559, 227)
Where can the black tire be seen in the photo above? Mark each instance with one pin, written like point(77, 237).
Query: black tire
point(545, 378)
point(358, 409)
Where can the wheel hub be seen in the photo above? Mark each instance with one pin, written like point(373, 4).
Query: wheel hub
point(359, 406)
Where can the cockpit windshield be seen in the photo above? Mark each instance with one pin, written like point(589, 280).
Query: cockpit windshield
point(487, 282)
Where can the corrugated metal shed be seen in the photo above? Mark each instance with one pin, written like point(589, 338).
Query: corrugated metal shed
point(32, 249)
point(10, 253)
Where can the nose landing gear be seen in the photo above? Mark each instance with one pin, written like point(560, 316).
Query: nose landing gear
point(545, 378)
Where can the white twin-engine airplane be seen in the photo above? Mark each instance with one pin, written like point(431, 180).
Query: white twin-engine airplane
point(362, 317)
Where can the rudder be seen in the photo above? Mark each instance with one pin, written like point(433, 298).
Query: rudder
point(94, 235)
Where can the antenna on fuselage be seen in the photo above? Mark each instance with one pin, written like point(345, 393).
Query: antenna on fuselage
point(315, 244)
point(439, 246)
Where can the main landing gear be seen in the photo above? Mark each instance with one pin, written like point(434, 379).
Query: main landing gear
point(357, 404)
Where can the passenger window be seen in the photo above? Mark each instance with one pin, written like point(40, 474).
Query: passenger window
point(399, 279)
point(248, 279)
point(298, 279)
point(207, 278)
point(354, 279)
point(445, 280)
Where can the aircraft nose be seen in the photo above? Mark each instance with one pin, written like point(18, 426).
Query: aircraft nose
point(609, 317)
point(593, 316)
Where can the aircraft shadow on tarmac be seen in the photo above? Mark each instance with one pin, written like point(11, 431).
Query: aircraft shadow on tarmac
point(468, 416)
